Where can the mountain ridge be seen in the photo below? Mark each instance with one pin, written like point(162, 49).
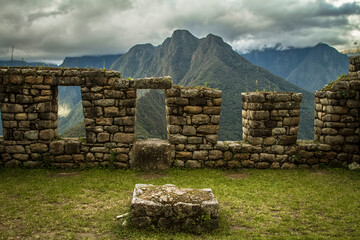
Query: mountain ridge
point(212, 62)
point(309, 68)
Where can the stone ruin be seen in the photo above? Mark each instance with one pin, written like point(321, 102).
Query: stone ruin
point(29, 111)
point(174, 208)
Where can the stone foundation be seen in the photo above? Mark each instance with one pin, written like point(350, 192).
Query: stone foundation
point(174, 208)
point(152, 154)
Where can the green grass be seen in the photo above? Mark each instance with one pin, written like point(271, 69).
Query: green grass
point(254, 204)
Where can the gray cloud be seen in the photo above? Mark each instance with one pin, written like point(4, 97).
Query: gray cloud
point(55, 29)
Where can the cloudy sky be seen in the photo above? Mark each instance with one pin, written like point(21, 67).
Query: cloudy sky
point(51, 30)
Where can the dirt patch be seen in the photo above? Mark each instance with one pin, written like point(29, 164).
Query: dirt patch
point(237, 175)
point(150, 176)
point(63, 174)
point(322, 172)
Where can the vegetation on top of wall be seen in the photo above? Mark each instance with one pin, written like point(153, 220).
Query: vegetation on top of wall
point(329, 86)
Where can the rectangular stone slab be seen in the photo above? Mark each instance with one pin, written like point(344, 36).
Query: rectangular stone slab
point(175, 208)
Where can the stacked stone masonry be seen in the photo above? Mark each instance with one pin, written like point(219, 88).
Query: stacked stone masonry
point(29, 106)
point(193, 117)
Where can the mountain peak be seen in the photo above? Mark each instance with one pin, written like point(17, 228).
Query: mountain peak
point(182, 34)
point(212, 37)
point(322, 45)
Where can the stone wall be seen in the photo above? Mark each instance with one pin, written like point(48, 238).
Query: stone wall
point(193, 116)
point(337, 118)
point(29, 104)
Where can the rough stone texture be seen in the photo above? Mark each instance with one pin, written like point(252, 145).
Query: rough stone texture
point(176, 208)
point(28, 98)
point(193, 115)
point(152, 154)
point(337, 118)
point(267, 119)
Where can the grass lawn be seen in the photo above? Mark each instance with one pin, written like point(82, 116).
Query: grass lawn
point(254, 204)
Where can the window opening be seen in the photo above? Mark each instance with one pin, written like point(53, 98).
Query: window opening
point(150, 114)
point(70, 112)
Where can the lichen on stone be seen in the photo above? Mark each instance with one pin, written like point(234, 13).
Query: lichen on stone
point(170, 194)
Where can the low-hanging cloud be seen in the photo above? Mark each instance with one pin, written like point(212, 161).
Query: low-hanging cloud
point(42, 29)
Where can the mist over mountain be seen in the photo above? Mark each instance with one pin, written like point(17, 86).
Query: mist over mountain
point(20, 63)
point(309, 68)
point(212, 62)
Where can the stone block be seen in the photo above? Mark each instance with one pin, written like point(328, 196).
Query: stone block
point(287, 140)
point(193, 109)
point(72, 147)
point(183, 155)
point(192, 164)
point(125, 121)
point(127, 102)
point(215, 154)
point(99, 149)
point(188, 130)
point(47, 134)
point(112, 112)
point(153, 83)
point(200, 119)
point(15, 149)
point(334, 140)
point(178, 101)
point(275, 165)
point(104, 121)
point(57, 147)
point(253, 97)
point(278, 131)
point(170, 207)
point(123, 137)
point(21, 157)
point(262, 165)
point(200, 155)
point(259, 115)
point(103, 137)
point(291, 121)
point(212, 110)
point(114, 93)
point(179, 163)
point(267, 157)
point(121, 157)
point(178, 139)
point(208, 129)
point(151, 155)
point(247, 163)
point(13, 163)
point(288, 166)
point(212, 138)
point(329, 131)
point(278, 149)
point(241, 156)
point(198, 101)
point(38, 148)
point(269, 141)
